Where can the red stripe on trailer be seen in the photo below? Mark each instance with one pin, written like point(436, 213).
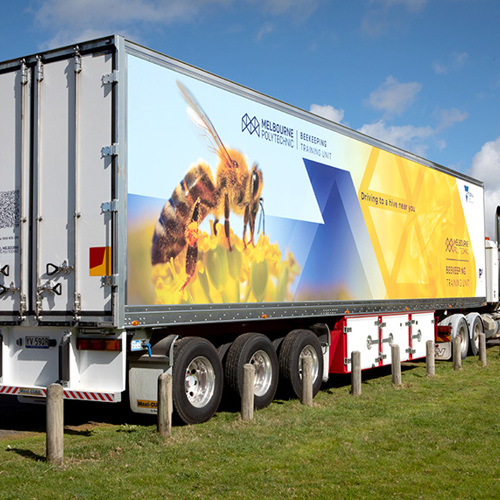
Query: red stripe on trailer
point(82, 396)
point(9, 390)
point(90, 396)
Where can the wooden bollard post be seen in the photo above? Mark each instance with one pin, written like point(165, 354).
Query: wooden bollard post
point(356, 373)
point(165, 406)
point(457, 355)
point(482, 348)
point(247, 398)
point(430, 359)
point(55, 424)
point(307, 381)
point(396, 364)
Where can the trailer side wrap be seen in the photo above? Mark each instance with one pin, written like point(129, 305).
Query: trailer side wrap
point(233, 200)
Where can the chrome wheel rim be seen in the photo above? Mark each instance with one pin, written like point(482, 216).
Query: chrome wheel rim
point(200, 381)
point(463, 334)
point(309, 351)
point(263, 370)
point(475, 334)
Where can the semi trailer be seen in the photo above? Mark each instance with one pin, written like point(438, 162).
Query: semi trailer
point(155, 217)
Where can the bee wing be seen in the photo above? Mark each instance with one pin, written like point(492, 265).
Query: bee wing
point(200, 118)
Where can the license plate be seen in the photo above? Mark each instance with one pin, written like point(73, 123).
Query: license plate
point(38, 342)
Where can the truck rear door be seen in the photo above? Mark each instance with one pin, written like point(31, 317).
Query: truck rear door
point(56, 209)
point(15, 120)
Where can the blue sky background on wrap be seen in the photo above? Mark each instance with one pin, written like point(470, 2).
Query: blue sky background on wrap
point(422, 75)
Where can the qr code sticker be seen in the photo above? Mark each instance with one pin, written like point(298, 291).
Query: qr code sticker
point(9, 209)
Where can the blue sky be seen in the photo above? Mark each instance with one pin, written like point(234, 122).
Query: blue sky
point(422, 75)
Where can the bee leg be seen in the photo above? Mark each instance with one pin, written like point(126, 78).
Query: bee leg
point(253, 217)
point(245, 222)
point(226, 220)
point(192, 244)
point(191, 260)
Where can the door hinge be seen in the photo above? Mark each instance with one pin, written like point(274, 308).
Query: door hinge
point(39, 69)
point(22, 304)
point(109, 206)
point(110, 78)
point(78, 60)
point(111, 280)
point(24, 72)
point(77, 304)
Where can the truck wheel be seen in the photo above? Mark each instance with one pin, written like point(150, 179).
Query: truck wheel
point(297, 345)
point(256, 349)
point(197, 380)
point(459, 327)
point(475, 325)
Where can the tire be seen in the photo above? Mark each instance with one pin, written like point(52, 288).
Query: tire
point(197, 380)
point(475, 325)
point(297, 344)
point(256, 349)
point(459, 328)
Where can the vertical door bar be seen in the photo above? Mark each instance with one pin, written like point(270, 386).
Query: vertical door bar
point(24, 192)
point(77, 297)
point(38, 185)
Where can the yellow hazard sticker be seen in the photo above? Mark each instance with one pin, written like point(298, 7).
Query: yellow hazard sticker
point(141, 403)
point(31, 392)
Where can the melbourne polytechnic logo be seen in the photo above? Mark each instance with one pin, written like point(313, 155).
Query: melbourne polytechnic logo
point(450, 245)
point(457, 246)
point(250, 124)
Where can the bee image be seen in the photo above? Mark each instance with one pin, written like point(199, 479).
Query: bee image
point(236, 189)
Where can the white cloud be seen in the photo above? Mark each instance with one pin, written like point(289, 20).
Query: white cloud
point(407, 137)
point(394, 97)
point(328, 112)
point(448, 118)
point(298, 9)
point(485, 167)
point(265, 30)
point(412, 138)
point(73, 21)
point(455, 62)
point(385, 15)
point(412, 5)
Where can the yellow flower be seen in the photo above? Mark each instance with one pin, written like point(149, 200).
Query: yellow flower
point(246, 273)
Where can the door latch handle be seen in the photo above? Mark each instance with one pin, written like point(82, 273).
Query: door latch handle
point(52, 269)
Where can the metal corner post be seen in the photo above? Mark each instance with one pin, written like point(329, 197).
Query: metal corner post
point(120, 182)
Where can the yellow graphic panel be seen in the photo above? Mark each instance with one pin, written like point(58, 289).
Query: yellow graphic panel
point(417, 226)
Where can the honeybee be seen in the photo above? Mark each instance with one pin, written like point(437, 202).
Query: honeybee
point(236, 189)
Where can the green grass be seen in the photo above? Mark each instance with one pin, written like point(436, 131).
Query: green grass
point(430, 438)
